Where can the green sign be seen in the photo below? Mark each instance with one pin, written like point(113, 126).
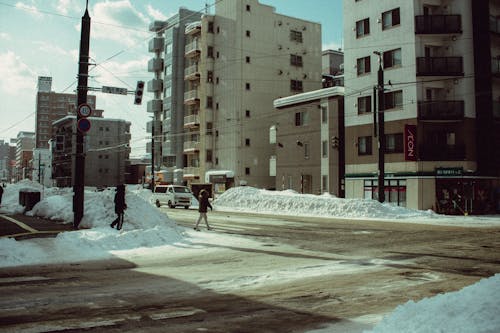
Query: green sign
point(449, 172)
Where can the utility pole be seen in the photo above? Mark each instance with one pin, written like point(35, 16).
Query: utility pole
point(153, 156)
point(381, 130)
point(83, 71)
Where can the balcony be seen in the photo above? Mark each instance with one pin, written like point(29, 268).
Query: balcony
point(191, 97)
point(154, 105)
point(191, 121)
point(192, 49)
point(441, 110)
point(191, 147)
point(155, 85)
point(438, 24)
point(193, 28)
point(191, 172)
point(192, 73)
point(434, 152)
point(156, 44)
point(155, 65)
point(440, 66)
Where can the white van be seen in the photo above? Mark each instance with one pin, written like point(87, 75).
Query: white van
point(172, 195)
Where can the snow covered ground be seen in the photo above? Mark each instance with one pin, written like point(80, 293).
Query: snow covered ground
point(472, 309)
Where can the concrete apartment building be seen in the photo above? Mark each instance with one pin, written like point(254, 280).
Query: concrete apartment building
point(308, 136)
point(441, 80)
point(238, 62)
point(25, 142)
point(52, 106)
point(107, 150)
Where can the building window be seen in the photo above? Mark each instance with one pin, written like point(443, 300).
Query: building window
point(210, 27)
point(217, 80)
point(248, 8)
point(392, 58)
point(295, 60)
point(365, 145)
point(216, 106)
point(248, 33)
point(210, 127)
point(168, 70)
point(301, 118)
point(247, 142)
point(247, 171)
point(324, 148)
point(210, 52)
point(296, 85)
point(218, 30)
point(296, 36)
point(210, 102)
point(324, 115)
point(394, 143)
point(364, 104)
point(210, 76)
point(324, 183)
point(168, 48)
point(363, 28)
point(363, 65)
point(390, 19)
point(394, 190)
point(248, 60)
point(306, 151)
point(209, 155)
point(247, 86)
point(393, 99)
point(247, 113)
point(217, 55)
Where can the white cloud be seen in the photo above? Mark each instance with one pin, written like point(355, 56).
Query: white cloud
point(119, 21)
point(155, 13)
point(29, 9)
point(53, 49)
point(5, 36)
point(333, 46)
point(65, 7)
point(17, 76)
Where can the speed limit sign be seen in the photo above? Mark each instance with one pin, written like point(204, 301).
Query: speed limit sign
point(84, 110)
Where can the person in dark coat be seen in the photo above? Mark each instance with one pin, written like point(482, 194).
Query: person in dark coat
point(203, 207)
point(1, 194)
point(120, 206)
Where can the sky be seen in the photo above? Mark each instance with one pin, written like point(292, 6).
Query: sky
point(41, 38)
point(149, 232)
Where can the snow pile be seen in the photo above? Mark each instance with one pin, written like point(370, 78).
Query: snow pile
point(475, 308)
point(289, 202)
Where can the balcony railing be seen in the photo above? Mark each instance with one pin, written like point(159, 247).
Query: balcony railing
point(193, 28)
point(441, 110)
point(192, 120)
point(191, 72)
point(191, 96)
point(440, 66)
point(191, 146)
point(191, 172)
point(433, 152)
point(192, 48)
point(438, 24)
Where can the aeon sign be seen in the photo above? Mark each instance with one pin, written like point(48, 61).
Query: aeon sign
point(410, 141)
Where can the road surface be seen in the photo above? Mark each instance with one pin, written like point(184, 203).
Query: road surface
point(303, 274)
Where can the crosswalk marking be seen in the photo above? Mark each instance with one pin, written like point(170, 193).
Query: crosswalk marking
point(19, 223)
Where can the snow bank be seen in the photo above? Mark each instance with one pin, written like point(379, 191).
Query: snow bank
point(475, 308)
point(289, 202)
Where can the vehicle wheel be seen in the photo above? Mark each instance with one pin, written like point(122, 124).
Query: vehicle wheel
point(170, 205)
point(158, 204)
point(186, 207)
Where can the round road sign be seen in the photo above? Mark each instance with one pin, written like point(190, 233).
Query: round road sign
point(84, 110)
point(83, 125)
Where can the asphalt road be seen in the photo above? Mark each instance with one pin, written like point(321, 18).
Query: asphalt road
point(380, 265)
point(21, 226)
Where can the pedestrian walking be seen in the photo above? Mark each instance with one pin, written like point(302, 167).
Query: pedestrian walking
point(203, 207)
point(1, 194)
point(120, 206)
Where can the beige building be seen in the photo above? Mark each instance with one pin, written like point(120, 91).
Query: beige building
point(106, 146)
point(25, 142)
point(238, 62)
point(308, 136)
point(441, 90)
point(51, 106)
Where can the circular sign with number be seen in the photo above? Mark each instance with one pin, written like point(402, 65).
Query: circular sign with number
point(84, 110)
point(83, 125)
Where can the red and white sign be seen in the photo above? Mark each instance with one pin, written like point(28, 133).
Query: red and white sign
point(410, 142)
point(84, 110)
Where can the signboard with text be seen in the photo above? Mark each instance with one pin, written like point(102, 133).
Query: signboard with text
point(410, 142)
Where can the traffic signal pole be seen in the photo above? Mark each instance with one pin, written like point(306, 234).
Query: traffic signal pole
point(381, 130)
point(79, 168)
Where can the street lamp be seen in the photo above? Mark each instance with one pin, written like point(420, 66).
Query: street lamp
point(381, 129)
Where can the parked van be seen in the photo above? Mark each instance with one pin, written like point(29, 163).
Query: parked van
point(172, 195)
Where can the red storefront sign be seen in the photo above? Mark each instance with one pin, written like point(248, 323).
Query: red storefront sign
point(410, 142)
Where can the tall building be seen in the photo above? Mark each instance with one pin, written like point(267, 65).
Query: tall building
point(167, 106)
point(25, 142)
point(5, 161)
point(441, 88)
point(107, 150)
point(238, 62)
point(51, 106)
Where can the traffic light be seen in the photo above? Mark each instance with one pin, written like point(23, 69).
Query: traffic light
point(138, 93)
point(59, 147)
